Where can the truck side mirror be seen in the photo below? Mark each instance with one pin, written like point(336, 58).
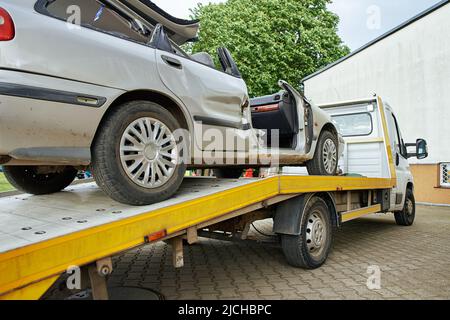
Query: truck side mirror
point(421, 149)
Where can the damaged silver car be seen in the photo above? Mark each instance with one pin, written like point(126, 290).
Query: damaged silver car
point(104, 84)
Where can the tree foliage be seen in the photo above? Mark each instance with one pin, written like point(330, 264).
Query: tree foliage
point(271, 39)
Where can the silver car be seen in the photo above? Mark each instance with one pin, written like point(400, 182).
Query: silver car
point(104, 84)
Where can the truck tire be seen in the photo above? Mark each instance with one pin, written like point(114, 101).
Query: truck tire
point(325, 161)
point(136, 157)
point(310, 249)
point(228, 173)
point(407, 216)
point(28, 180)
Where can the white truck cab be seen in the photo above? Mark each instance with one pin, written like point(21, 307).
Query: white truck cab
point(374, 146)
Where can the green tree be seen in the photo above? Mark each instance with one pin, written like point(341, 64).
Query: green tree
point(271, 39)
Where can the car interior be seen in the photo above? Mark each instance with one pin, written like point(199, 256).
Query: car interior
point(160, 40)
point(107, 19)
point(273, 112)
point(276, 112)
point(100, 17)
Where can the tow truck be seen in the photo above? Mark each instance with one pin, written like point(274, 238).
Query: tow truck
point(41, 237)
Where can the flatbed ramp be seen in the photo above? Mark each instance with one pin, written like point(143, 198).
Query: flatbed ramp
point(41, 236)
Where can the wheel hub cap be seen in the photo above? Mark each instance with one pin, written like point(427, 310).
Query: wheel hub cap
point(148, 152)
point(409, 207)
point(315, 233)
point(151, 151)
point(329, 156)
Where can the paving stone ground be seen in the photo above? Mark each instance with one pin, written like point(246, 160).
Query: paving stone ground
point(414, 263)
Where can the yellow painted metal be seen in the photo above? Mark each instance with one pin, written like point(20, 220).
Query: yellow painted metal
point(292, 184)
point(27, 272)
point(351, 215)
point(31, 292)
point(26, 265)
point(360, 141)
point(387, 142)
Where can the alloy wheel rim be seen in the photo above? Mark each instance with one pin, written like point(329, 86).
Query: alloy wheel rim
point(329, 156)
point(148, 152)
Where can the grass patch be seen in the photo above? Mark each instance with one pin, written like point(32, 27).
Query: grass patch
point(4, 184)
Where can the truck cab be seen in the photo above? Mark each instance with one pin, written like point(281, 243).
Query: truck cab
point(374, 146)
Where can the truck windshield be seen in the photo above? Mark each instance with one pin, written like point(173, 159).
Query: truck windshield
point(359, 124)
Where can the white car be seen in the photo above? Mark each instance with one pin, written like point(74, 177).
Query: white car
point(104, 84)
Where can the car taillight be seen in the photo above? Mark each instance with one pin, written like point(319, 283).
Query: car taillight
point(7, 31)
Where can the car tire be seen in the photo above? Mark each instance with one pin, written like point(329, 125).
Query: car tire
point(28, 180)
point(407, 216)
point(131, 153)
point(325, 161)
point(228, 173)
point(310, 249)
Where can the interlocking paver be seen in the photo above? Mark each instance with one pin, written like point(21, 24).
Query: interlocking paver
point(414, 263)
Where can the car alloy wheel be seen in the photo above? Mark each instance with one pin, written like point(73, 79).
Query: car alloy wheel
point(329, 154)
point(148, 152)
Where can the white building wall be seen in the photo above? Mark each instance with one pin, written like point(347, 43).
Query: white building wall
point(411, 70)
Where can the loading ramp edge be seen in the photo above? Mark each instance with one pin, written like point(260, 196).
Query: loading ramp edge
point(27, 272)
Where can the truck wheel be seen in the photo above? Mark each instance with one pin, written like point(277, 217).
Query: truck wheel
point(228, 173)
point(136, 158)
point(29, 180)
point(311, 248)
point(408, 214)
point(325, 161)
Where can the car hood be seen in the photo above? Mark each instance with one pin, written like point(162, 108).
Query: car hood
point(179, 30)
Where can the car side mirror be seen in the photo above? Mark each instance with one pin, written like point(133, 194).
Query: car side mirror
point(421, 149)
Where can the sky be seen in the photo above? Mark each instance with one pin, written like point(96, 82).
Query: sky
point(360, 20)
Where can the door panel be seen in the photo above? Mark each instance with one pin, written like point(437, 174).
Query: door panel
point(400, 162)
point(207, 93)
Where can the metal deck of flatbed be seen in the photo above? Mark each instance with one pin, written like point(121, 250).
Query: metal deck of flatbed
point(41, 236)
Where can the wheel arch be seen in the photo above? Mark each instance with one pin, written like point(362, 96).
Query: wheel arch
point(289, 213)
point(410, 186)
point(331, 204)
point(329, 127)
point(180, 114)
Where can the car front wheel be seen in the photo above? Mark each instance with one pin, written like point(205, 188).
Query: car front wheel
point(40, 180)
point(325, 161)
point(137, 158)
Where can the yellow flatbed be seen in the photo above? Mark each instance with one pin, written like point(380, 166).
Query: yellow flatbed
point(41, 236)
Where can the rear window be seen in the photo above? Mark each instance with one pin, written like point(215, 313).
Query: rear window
point(96, 15)
point(359, 124)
